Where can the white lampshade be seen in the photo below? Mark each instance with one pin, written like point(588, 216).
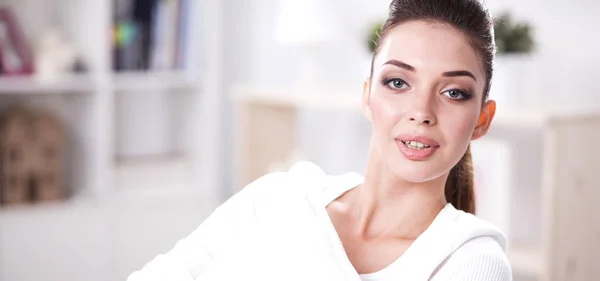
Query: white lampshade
point(303, 22)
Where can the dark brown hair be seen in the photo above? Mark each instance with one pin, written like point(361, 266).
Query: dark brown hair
point(472, 18)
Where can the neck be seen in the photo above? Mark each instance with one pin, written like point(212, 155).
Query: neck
point(387, 206)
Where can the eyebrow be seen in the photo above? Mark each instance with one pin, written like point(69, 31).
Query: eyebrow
point(455, 73)
point(401, 65)
point(458, 73)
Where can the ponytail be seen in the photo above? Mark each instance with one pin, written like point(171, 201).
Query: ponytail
point(459, 185)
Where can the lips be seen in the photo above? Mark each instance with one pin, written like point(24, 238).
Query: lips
point(418, 139)
point(415, 144)
point(417, 148)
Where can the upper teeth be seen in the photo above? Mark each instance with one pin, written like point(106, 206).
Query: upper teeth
point(415, 144)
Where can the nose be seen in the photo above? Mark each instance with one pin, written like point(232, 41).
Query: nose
point(422, 110)
point(423, 120)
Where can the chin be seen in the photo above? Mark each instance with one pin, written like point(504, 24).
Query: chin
point(415, 171)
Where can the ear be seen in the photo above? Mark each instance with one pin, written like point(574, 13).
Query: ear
point(366, 100)
point(485, 119)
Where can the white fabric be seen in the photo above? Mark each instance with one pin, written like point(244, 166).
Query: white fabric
point(277, 228)
point(477, 259)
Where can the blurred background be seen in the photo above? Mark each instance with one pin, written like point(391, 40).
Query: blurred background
point(126, 122)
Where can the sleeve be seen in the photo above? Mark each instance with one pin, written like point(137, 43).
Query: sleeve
point(191, 255)
point(483, 267)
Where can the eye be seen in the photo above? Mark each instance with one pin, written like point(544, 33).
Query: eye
point(457, 94)
point(395, 83)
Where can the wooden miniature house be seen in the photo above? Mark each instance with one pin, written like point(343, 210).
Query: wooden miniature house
point(31, 157)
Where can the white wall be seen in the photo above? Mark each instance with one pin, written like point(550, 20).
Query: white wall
point(340, 61)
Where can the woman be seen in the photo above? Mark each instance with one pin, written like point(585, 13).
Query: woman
point(410, 216)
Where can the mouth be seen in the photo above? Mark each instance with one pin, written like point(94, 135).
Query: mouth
point(417, 142)
point(415, 145)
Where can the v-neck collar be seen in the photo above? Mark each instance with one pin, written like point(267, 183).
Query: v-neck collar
point(336, 187)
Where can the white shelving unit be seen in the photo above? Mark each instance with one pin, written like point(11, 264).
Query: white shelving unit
point(87, 101)
point(100, 232)
point(549, 197)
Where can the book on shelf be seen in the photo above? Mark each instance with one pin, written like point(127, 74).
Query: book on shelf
point(16, 56)
point(151, 35)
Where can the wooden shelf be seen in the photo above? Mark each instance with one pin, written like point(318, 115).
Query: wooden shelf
point(77, 83)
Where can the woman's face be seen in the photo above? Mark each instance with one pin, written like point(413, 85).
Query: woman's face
point(424, 99)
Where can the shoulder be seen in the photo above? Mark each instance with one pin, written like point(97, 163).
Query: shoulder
point(466, 227)
point(303, 185)
point(479, 252)
point(285, 190)
point(481, 258)
point(303, 176)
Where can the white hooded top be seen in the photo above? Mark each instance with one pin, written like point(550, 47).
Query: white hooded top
point(278, 228)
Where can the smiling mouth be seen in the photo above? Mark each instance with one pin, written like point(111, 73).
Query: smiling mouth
point(415, 145)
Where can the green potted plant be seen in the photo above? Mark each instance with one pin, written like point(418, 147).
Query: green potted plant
point(514, 48)
point(512, 37)
point(373, 35)
point(368, 42)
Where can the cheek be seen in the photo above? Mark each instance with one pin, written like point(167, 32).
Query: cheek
point(385, 116)
point(461, 126)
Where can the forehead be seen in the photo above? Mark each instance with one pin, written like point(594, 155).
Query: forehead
point(430, 46)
